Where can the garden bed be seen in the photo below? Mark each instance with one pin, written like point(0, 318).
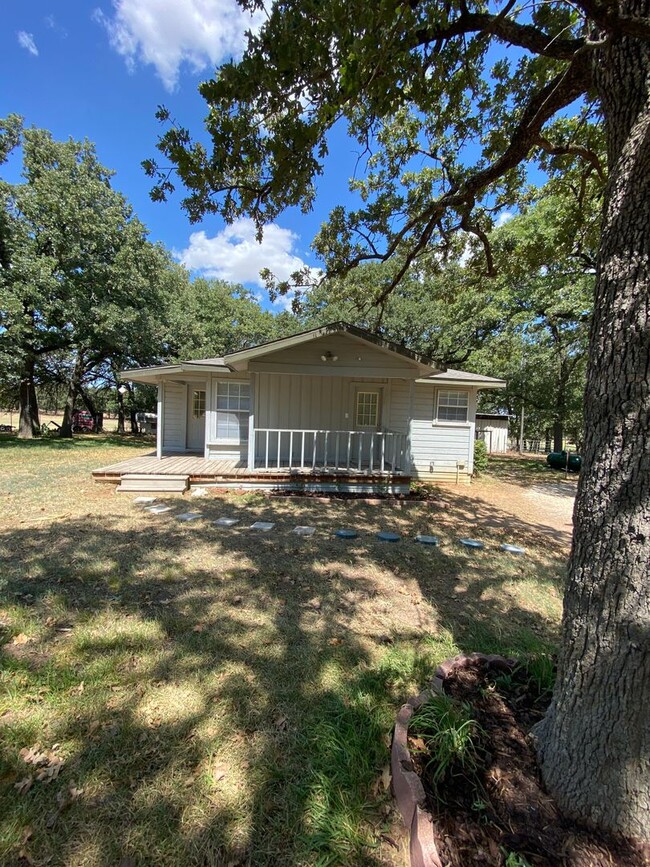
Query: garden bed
point(470, 747)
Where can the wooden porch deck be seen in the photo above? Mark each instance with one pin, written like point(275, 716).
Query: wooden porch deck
point(201, 471)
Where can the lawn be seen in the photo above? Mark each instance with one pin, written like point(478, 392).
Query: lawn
point(185, 694)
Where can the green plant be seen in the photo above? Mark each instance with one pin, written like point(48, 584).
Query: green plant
point(450, 735)
point(513, 859)
point(540, 670)
point(480, 457)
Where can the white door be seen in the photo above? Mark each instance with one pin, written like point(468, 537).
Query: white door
point(195, 419)
point(367, 420)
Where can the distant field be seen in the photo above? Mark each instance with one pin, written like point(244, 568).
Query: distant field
point(110, 424)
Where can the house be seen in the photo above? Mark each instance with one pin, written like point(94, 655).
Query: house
point(331, 408)
point(492, 428)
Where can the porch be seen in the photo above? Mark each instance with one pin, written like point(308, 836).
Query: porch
point(290, 460)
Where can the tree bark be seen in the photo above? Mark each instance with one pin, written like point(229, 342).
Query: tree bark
point(29, 423)
point(120, 412)
point(74, 387)
point(558, 436)
point(594, 744)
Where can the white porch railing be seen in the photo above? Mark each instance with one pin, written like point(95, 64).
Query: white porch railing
point(375, 451)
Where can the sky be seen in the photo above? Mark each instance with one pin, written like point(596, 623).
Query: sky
point(99, 69)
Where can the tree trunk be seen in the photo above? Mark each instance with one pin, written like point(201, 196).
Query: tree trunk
point(558, 436)
point(135, 429)
point(73, 390)
point(594, 743)
point(29, 424)
point(120, 412)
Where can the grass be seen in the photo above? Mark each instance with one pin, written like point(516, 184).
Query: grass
point(218, 697)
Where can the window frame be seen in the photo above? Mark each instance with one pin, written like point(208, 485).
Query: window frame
point(438, 404)
point(199, 412)
point(242, 413)
point(372, 425)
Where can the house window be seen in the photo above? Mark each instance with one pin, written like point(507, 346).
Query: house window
point(198, 404)
point(233, 404)
point(367, 408)
point(452, 406)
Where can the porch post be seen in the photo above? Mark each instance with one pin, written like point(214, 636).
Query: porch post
point(251, 422)
point(159, 422)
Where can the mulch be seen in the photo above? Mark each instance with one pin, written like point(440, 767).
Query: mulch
point(505, 811)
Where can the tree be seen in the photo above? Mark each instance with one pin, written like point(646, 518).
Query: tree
point(208, 318)
point(78, 277)
point(465, 135)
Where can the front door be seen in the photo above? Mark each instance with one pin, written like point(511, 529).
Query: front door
point(367, 421)
point(195, 419)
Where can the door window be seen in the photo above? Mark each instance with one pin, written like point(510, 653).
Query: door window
point(367, 411)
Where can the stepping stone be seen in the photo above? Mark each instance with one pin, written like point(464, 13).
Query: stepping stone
point(512, 549)
point(304, 531)
point(427, 540)
point(471, 543)
point(226, 522)
point(265, 526)
point(158, 510)
point(144, 501)
point(386, 536)
point(199, 492)
point(189, 516)
point(346, 534)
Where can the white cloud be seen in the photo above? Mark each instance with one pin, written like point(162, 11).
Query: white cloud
point(235, 255)
point(26, 41)
point(169, 34)
point(503, 218)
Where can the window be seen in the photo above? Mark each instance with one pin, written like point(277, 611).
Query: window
point(452, 405)
point(233, 403)
point(367, 408)
point(198, 404)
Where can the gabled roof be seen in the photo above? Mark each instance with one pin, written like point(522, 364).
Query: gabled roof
point(237, 358)
point(463, 377)
point(429, 371)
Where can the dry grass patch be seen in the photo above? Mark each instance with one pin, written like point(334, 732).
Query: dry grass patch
point(220, 696)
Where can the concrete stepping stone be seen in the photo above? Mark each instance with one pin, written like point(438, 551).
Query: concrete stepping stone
point(346, 534)
point(387, 536)
point(427, 540)
point(226, 522)
point(264, 526)
point(144, 501)
point(189, 516)
point(471, 543)
point(512, 549)
point(304, 531)
point(159, 509)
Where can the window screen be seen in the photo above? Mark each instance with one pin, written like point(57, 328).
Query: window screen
point(233, 404)
point(453, 405)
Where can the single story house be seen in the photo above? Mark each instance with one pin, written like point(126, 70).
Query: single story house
point(335, 406)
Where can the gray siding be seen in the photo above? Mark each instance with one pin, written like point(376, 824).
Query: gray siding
point(437, 447)
point(350, 353)
point(175, 415)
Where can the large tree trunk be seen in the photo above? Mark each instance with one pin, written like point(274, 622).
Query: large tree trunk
point(73, 390)
point(595, 741)
point(29, 424)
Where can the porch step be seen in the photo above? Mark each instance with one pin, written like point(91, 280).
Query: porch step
point(131, 482)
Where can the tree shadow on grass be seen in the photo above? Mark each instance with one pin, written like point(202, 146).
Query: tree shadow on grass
point(226, 697)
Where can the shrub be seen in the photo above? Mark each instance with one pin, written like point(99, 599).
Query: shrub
point(480, 457)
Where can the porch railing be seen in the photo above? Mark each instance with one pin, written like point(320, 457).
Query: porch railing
point(375, 451)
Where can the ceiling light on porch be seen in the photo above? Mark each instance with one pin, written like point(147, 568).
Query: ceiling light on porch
point(329, 356)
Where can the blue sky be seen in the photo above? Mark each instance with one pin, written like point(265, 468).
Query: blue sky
point(99, 70)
